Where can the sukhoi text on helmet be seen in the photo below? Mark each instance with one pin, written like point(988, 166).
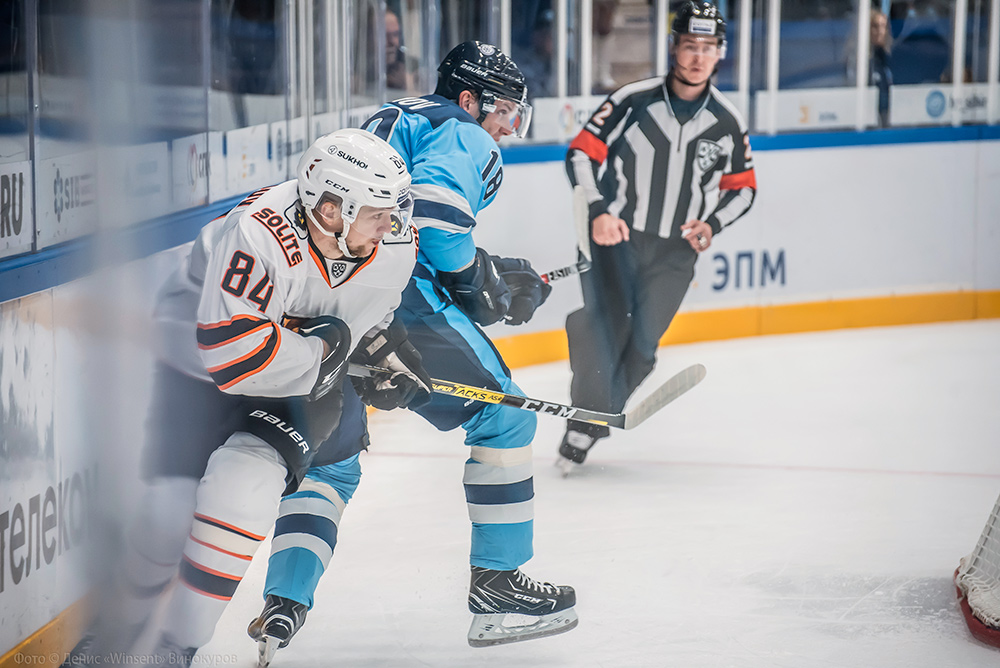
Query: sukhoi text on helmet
point(350, 158)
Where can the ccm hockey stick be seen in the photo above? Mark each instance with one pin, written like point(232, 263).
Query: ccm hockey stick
point(581, 224)
point(663, 395)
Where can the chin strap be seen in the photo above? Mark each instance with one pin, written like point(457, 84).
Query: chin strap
point(342, 242)
point(684, 81)
point(341, 237)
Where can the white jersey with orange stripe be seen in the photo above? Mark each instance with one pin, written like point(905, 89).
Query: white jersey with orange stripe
point(221, 315)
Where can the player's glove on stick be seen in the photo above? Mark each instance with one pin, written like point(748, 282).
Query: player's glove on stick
point(333, 368)
point(528, 290)
point(478, 290)
point(407, 386)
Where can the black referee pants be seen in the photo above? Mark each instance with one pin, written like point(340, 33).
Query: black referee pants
point(630, 295)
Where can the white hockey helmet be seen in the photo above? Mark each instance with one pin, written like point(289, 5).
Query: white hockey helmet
point(359, 169)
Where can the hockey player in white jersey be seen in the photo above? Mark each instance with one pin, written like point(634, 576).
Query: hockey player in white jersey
point(449, 141)
point(257, 326)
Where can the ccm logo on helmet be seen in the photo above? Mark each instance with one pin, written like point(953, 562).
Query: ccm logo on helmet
point(351, 159)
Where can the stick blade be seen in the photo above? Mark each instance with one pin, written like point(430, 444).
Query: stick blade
point(663, 395)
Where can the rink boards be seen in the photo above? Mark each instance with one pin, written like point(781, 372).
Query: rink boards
point(844, 236)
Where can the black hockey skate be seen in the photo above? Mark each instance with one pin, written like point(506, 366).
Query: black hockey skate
point(82, 653)
point(508, 606)
point(580, 437)
point(102, 646)
point(273, 629)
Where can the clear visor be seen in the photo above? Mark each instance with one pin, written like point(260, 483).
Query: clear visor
point(402, 215)
point(371, 221)
point(512, 114)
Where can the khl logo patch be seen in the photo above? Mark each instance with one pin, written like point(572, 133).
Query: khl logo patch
point(708, 154)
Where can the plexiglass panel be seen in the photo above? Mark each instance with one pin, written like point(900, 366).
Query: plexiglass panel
point(17, 232)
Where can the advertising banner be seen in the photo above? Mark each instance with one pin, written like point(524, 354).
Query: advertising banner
point(17, 230)
point(560, 119)
point(67, 197)
point(288, 143)
point(935, 104)
point(816, 108)
point(136, 180)
point(247, 166)
point(190, 169)
point(44, 500)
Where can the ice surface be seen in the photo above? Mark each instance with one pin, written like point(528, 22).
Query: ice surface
point(805, 506)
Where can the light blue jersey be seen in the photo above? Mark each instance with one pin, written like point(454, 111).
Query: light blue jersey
point(456, 170)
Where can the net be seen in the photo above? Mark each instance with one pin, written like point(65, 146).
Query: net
point(978, 582)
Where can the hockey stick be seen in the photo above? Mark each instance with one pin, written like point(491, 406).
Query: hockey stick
point(581, 221)
point(663, 395)
point(563, 272)
point(581, 224)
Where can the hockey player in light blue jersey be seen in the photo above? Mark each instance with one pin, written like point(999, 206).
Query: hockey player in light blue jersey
point(449, 142)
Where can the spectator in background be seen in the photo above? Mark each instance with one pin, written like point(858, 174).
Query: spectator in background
point(879, 63)
point(247, 31)
point(604, 21)
point(535, 59)
point(400, 71)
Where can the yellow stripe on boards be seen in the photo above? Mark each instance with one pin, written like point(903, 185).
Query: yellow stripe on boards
point(57, 637)
point(49, 645)
point(695, 326)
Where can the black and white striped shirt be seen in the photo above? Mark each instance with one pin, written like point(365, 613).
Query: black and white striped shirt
point(639, 163)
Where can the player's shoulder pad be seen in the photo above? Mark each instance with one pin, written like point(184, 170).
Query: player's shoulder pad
point(274, 224)
point(477, 143)
point(436, 109)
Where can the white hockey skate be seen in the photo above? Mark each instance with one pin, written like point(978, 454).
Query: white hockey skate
point(508, 606)
point(273, 629)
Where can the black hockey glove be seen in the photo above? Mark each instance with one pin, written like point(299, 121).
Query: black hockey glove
point(333, 368)
point(528, 290)
point(407, 386)
point(478, 289)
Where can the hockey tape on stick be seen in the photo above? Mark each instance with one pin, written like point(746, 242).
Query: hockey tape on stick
point(563, 272)
point(663, 395)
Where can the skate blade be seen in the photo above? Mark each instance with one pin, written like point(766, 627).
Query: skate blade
point(488, 630)
point(565, 466)
point(266, 647)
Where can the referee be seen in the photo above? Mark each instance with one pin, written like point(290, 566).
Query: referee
point(666, 164)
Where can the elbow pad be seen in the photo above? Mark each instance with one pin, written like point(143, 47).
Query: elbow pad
point(333, 367)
